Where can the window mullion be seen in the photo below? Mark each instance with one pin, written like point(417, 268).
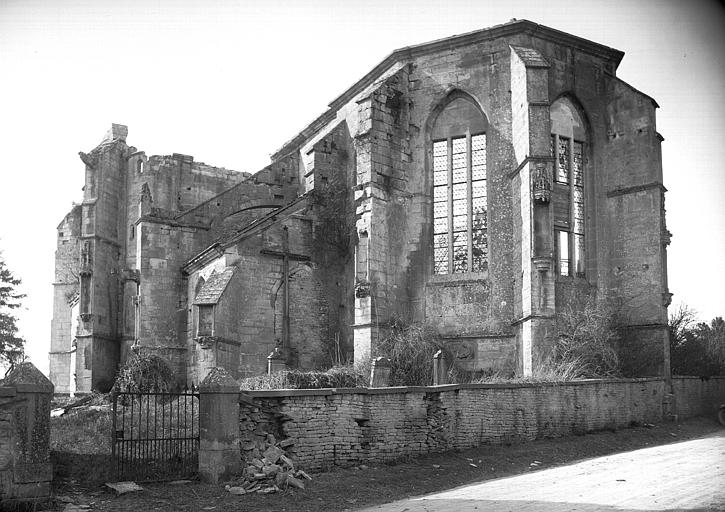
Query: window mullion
point(556, 157)
point(572, 212)
point(469, 200)
point(450, 204)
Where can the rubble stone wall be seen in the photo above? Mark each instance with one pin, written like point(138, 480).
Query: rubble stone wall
point(329, 427)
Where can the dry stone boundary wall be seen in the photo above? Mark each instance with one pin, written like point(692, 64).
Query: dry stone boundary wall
point(342, 427)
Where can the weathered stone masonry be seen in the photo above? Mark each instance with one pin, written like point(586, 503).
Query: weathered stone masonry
point(358, 222)
point(25, 469)
point(344, 427)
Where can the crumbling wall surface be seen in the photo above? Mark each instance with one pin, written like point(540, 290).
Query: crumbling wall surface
point(274, 185)
point(633, 238)
point(696, 396)
point(323, 428)
point(177, 182)
point(258, 288)
point(25, 469)
point(65, 291)
point(481, 303)
point(162, 323)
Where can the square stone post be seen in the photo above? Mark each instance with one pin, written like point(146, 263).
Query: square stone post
point(440, 369)
point(276, 361)
point(25, 469)
point(219, 456)
point(380, 373)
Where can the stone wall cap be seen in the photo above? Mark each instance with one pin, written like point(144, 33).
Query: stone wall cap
point(693, 377)
point(281, 393)
point(218, 380)
point(272, 393)
point(7, 391)
point(27, 374)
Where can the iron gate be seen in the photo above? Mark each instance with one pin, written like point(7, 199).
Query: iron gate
point(155, 435)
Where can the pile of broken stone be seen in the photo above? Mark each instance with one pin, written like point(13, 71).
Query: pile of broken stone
point(271, 473)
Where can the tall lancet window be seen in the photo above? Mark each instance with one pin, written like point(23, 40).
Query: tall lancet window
point(568, 146)
point(460, 205)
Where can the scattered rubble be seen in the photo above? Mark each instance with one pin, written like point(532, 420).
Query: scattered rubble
point(94, 402)
point(70, 507)
point(124, 487)
point(269, 469)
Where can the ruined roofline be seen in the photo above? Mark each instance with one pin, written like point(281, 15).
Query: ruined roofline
point(74, 207)
point(221, 172)
point(630, 86)
point(409, 52)
point(119, 132)
point(246, 180)
point(217, 248)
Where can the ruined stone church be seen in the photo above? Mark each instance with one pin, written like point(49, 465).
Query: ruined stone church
point(478, 183)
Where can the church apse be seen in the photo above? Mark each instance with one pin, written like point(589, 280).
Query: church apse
point(474, 183)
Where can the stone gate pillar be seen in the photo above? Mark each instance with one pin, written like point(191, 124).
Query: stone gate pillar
point(25, 469)
point(219, 456)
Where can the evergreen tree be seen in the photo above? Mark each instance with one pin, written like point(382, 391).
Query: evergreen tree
point(11, 345)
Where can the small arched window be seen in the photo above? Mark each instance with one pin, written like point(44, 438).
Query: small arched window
point(460, 205)
point(568, 145)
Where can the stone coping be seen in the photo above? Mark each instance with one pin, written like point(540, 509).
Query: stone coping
point(24, 388)
point(277, 393)
point(693, 377)
point(7, 391)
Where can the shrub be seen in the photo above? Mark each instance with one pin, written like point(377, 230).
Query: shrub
point(145, 374)
point(410, 348)
point(587, 340)
point(336, 377)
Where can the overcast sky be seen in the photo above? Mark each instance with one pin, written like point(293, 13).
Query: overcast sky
point(230, 81)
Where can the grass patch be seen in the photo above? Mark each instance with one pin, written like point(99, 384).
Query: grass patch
point(547, 372)
point(80, 444)
point(83, 431)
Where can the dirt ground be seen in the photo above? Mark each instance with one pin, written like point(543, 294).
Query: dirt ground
point(354, 488)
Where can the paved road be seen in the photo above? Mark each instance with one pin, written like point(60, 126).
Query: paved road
point(683, 476)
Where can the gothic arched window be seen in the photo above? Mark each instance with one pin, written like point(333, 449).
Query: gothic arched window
point(460, 206)
point(568, 144)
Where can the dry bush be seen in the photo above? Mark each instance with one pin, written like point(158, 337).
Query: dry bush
point(410, 348)
point(336, 377)
point(145, 374)
point(587, 340)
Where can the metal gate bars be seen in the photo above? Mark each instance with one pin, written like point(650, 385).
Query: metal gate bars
point(155, 435)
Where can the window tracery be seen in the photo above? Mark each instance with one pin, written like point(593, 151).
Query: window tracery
point(460, 205)
point(568, 139)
